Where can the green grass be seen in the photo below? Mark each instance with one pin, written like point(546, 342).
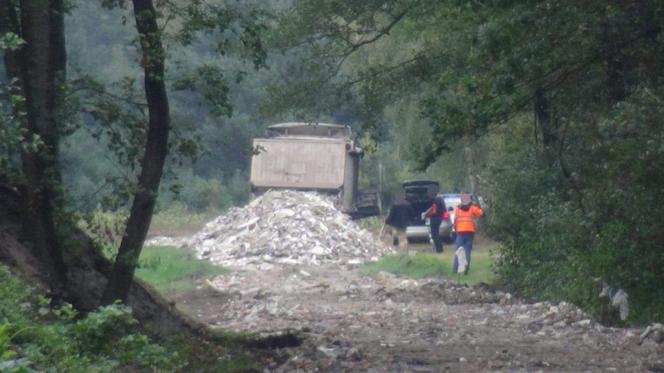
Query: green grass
point(426, 265)
point(171, 269)
point(179, 222)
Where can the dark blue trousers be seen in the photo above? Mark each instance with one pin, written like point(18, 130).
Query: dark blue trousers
point(464, 239)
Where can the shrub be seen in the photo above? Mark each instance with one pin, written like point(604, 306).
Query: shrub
point(201, 194)
point(105, 228)
point(57, 339)
point(569, 221)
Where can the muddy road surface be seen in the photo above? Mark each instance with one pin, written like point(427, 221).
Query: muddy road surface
point(294, 279)
point(334, 318)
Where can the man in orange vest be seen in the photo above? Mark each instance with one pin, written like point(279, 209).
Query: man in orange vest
point(464, 226)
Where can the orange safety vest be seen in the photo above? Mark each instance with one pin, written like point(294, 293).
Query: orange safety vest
point(464, 221)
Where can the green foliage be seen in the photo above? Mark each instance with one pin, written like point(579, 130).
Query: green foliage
point(10, 140)
point(593, 218)
point(207, 45)
point(204, 194)
point(573, 193)
point(57, 339)
point(10, 41)
point(111, 331)
point(14, 138)
point(171, 269)
point(559, 101)
point(8, 357)
point(37, 336)
point(238, 188)
point(106, 229)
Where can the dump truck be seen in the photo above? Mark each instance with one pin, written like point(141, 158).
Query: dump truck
point(319, 157)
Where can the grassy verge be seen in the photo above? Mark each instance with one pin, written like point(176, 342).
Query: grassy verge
point(177, 222)
point(170, 269)
point(425, 265)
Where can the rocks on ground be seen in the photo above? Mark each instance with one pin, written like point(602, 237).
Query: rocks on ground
point(351, 322)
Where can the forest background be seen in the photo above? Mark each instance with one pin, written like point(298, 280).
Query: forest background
point(551, 110)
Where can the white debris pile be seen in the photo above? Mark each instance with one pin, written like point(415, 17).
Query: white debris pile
point(286, 227)
point(654, 332)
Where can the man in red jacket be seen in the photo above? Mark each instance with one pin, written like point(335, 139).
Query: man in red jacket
point(437, 213)
point(464, 226)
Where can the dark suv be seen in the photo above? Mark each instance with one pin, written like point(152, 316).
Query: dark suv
point(407, 208)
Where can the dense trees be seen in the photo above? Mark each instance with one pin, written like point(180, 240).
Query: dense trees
point(34, 50)
point(548, 108)
point(214, 96)
point(551, 107)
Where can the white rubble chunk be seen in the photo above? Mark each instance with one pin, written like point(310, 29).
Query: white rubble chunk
point(287, 227)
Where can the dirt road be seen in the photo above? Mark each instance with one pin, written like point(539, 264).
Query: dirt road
point(346, 321)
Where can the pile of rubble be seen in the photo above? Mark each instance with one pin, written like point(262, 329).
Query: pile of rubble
point(286, 227)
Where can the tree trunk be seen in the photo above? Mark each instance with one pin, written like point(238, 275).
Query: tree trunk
point(615, 61)
point(543, 117)
point(39, 67)
point(153, 160)
point(469, 161)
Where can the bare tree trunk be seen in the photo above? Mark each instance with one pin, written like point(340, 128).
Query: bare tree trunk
point(468, 157)
point(153, 160)
point(39, 67)
point(615, 61)
point(543, 117)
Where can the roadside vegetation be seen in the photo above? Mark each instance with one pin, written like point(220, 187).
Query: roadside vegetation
point(167, 268)
point(37, 335)
point(551, 110)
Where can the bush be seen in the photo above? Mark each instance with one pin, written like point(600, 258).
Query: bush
point(200, 194)
point(36, 335)
point(590, 215)
point(56, 339)
point(105, 228)
point(238, 188)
